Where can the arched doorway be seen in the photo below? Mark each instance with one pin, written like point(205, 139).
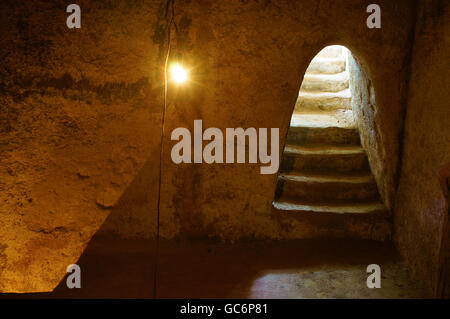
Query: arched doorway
point(324, 169)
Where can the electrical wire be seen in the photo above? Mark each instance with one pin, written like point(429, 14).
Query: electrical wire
point(169, 26)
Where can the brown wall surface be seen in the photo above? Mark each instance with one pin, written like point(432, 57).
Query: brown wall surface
point(81, 117)
point(420, 204)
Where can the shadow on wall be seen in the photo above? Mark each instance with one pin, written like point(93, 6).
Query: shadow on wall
point(134, 215)
point(123, 245)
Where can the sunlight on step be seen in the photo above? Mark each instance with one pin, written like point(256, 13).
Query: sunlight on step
point(325, 175)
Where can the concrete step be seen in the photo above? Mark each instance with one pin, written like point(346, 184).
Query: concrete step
point(324, 158)
point(325, 82)
point(338, 118)
point(365, 221)
point(332, 135)
point(323, 188)
point(323, 101)
point(331, 51)
point(330, 208)
point(320, 65)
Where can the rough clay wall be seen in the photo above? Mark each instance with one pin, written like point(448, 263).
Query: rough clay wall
point(368, 120)
point(420, 205)
point(81, 110)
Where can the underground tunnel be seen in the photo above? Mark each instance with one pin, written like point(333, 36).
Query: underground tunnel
point(94, 174)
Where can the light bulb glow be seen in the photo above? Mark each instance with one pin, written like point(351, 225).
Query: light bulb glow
point(179, 74)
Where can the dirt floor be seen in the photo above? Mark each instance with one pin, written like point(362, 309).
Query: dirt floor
point(113, 268)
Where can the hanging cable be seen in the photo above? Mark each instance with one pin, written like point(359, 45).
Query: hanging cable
point(170, 4)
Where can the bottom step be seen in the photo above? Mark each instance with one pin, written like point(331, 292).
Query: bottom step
point(364, 208)
point(363, 221)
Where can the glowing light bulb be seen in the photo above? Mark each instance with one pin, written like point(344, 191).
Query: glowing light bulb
point(179, 75)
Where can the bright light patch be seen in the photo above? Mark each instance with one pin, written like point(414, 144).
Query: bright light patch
point(179, 74)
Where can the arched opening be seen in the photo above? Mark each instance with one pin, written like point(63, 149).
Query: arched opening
point(324, 167)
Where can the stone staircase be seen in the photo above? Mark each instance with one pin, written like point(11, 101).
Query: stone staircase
point(325, 174)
